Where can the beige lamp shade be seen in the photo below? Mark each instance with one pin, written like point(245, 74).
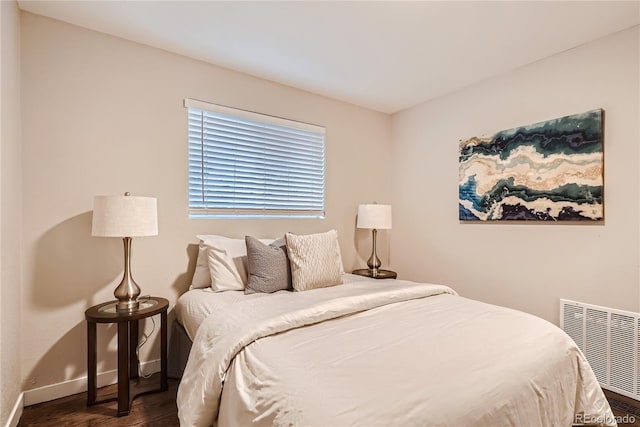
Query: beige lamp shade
point(374, 216)
point(124, 216)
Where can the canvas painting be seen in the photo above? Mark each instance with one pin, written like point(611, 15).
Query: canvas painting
point(548, 171)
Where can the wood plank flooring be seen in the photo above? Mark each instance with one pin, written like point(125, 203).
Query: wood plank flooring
point(159, 409)
point(624, 407)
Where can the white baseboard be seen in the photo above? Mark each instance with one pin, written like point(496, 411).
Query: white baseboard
point(79, 385)
point(16, 412)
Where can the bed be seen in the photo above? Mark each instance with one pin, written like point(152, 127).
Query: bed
point(378, 353)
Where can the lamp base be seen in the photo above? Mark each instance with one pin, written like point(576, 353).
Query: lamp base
point(374, 262)
point(127, 305)
point(128, 290)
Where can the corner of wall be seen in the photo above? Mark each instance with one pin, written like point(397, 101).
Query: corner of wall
point(11, 397)
point(16, 412)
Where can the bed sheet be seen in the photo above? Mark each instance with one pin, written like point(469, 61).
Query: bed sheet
point(194, 306)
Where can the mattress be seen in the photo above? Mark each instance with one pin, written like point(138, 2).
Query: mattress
point(384, 353)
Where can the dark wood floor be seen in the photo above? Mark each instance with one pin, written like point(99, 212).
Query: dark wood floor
point(624, 407)
point(156, 409)
point(159, 409)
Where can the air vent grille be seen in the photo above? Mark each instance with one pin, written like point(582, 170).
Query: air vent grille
point(610, 339)
point(574, 324)
point(622, 350)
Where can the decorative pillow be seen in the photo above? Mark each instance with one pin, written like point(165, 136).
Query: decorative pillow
point(315, 260)
point(226, 261)
point(267, 266)
point(201, 277)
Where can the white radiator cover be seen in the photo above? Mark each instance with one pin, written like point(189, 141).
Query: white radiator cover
point(609, 340)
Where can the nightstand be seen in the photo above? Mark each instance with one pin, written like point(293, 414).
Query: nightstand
point(127, 357)
point(382, 274)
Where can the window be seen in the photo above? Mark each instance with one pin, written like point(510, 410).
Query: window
point(249, 165)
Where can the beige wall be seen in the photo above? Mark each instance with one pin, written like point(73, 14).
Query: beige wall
point(102, 116)
point(10, 210)
point(522, 265)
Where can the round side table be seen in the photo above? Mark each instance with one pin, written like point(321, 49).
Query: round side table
point(127, 357)
point(382, 274)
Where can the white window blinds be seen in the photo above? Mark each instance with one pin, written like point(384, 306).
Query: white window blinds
point(244, 164)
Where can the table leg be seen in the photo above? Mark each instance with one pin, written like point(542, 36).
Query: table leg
point(91, 363)
point(123, 368)
point(164, 385)
point(133, 347)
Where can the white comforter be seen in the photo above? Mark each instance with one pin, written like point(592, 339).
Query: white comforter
point(384, 353)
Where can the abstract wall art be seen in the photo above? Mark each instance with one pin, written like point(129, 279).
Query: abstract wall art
point(548, 171)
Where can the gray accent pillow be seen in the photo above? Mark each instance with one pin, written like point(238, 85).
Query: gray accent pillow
point(268, 266)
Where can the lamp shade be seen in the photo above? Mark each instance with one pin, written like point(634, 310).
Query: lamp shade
point(374, 216)
point(124, 216)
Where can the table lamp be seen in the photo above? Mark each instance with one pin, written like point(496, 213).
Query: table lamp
point(375, 217)
point(126, 217)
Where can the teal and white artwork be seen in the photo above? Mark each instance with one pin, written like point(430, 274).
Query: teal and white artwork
point(548, 171)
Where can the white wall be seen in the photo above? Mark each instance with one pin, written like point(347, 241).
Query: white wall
point(10, 211)
point(523, 265)
point(103, 115)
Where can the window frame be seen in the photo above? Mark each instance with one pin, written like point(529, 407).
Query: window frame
point(249, 118)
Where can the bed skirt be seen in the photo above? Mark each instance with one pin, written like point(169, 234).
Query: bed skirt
point(179, 348)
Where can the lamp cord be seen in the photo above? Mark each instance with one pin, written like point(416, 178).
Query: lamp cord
point(143, 340)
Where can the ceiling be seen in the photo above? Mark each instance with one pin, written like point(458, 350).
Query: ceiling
point(386, 56)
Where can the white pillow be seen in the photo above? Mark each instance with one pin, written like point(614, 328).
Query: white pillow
point(315, 260)
point(226, 263)
point(201, 277)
